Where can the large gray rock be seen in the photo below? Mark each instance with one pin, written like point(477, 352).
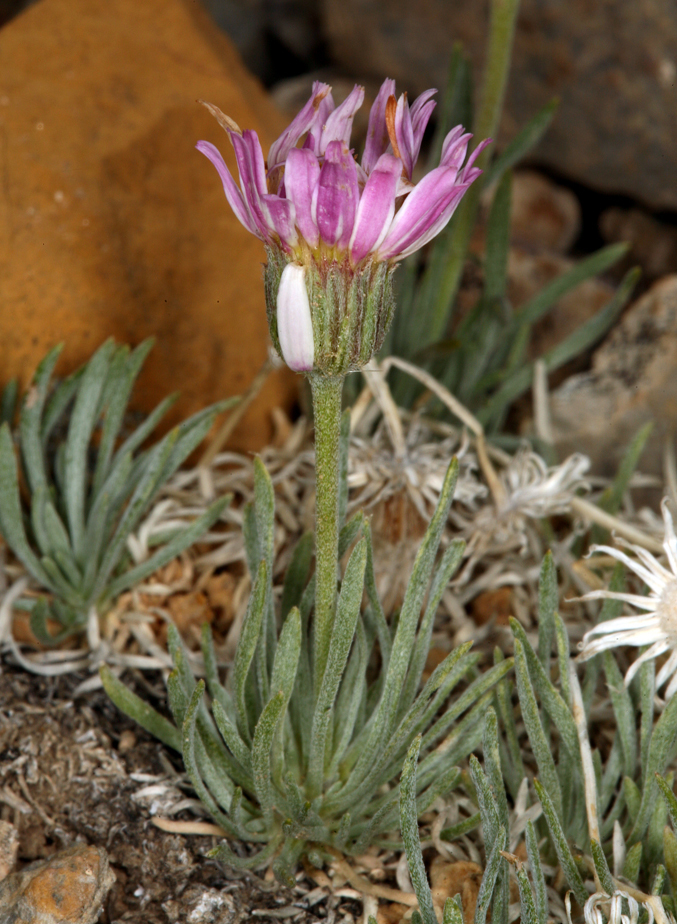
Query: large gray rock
point(632, 381)
point(613, 64)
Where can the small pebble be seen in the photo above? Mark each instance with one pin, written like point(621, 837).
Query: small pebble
point(68, 888)
point(127, 741)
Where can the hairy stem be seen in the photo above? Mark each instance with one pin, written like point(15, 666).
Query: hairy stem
point(327, 391)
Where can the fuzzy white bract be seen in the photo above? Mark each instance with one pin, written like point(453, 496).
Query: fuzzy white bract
point(656, 624)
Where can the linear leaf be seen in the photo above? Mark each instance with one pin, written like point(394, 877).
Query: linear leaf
point(490, 876)
point(528, 912)
point(669, 797)
point(612, 498)
point(530, 714)
point(547, 607)
point(527, 138)
point(602, 867)
point(123, 372)
point(260, 754)
point(443, 574)
point(553, 703)
point(246, 648)
point(84, 416)
point(624, 712)
point(661, 749)
point(633, 861)
point(498, 241)
point(183, 539)
point(534, 857)
point(137, 709)
point(412, 843)
point(11, 516)
point(581, 339)
point(30, 422)
point(406, 627)
point(566, 860)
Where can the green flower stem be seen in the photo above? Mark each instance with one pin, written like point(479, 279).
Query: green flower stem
point(327, 391)
point(499, 52)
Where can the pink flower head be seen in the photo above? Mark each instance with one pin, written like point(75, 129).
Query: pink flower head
point(312, 198)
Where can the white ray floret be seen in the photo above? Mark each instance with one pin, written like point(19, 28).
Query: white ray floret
point(656, 626)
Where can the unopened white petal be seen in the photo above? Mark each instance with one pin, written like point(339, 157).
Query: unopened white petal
point(294, 322)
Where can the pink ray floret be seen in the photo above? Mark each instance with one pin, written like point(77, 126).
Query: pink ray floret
point(312, 197)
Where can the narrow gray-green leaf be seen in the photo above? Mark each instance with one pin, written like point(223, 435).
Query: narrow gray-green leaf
point(181, 541)
point(534, 857)
point(633, 862)
point(528, 911)
point(547, 607)
point(260, 754)
point(83, 419)
point(408, 621)
point(492, 766)
point(246, 648)
point(231, 736)
point(602, 867)
point(669, 797)
point(11, 516)
point(461, 827)
point(137, 709)
point(410, 836)
point(443, 574)
point(661, 749)
point(612, 498)
point(491, 822)
point(123, 372)
point(490, 876)
point(564, 855)
point(624, 713)
point(526, 139)
point(553, 703)
point(30, 420)
point(287, 653)
point(585, 336)
point(497, 241)
point(530, 714)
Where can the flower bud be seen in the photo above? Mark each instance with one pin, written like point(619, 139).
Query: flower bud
point(327, 316)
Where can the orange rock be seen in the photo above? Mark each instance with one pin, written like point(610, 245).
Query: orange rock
point(110, 222)
point(68, 888)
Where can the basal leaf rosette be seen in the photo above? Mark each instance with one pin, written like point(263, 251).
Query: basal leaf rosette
point(335, 228)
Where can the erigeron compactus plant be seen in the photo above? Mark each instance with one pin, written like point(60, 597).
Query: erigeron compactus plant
point(300, 750)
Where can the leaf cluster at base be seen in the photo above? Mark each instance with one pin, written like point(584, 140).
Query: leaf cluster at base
point(88, 486)
point(301, 763)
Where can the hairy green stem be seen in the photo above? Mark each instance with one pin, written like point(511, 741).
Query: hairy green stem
point(499, 51)
point(327, 391)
